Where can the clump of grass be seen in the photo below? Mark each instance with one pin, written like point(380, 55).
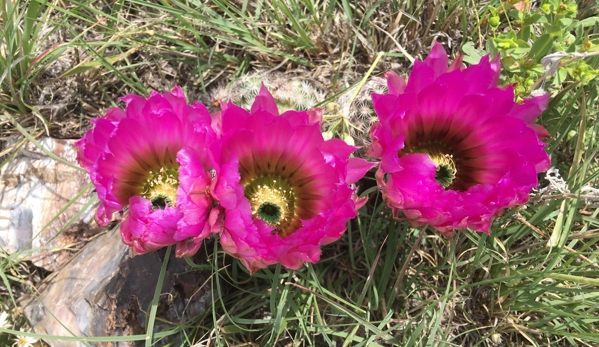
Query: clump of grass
point(19, 34)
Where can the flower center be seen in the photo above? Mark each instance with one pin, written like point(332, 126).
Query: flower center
point(161, 187)
point(269, 212)
point(446, 167)
point(272, 200)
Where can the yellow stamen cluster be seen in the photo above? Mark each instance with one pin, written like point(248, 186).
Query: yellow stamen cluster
point(274, 195)
point(272, 200)
point(441, 159)
point(162, 185)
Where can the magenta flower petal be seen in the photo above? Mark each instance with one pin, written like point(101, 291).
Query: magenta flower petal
point(356, 169)
point(395, 83)
point(153, 157)
point(383, 105)
point(146, 229)
point(531, 108)
point(483, 75)
point(284, 189)
point(422, 75)
point(264, 101)
point(541, 132)
point(456, 64)
point(455, 149)
point(315, 115)
point(93, 143)
point(194, 197)
point(437, 60)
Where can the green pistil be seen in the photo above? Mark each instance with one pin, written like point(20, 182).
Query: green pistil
point(446, 169)
point(161, 202)
point(445, 175)
point(269, 212)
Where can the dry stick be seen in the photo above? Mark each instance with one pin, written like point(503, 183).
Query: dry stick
point(277, 67)
point(541, 233)
point(434, 15)
point(18, 144)
point(480, 35)
point(589, 234)
point(407, 262)
point(400, 47)
point(571, 196)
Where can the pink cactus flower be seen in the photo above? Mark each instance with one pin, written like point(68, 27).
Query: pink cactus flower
point(284, 189)
point(455, 149)
point(152, 159)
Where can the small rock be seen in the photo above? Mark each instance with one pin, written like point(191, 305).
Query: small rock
point(34, 189)
point(103, 291)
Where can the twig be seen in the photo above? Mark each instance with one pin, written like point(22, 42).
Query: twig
point(542, 233)
point(404, 268)
point(570, 196)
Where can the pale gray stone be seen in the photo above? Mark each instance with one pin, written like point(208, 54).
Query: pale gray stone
point(33, 189)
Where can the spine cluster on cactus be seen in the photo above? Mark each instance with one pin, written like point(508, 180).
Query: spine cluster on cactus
point(294, 94)
point(351, 117)
point(347, 118)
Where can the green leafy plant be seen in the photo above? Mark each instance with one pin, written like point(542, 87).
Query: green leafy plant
point(525, 37)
